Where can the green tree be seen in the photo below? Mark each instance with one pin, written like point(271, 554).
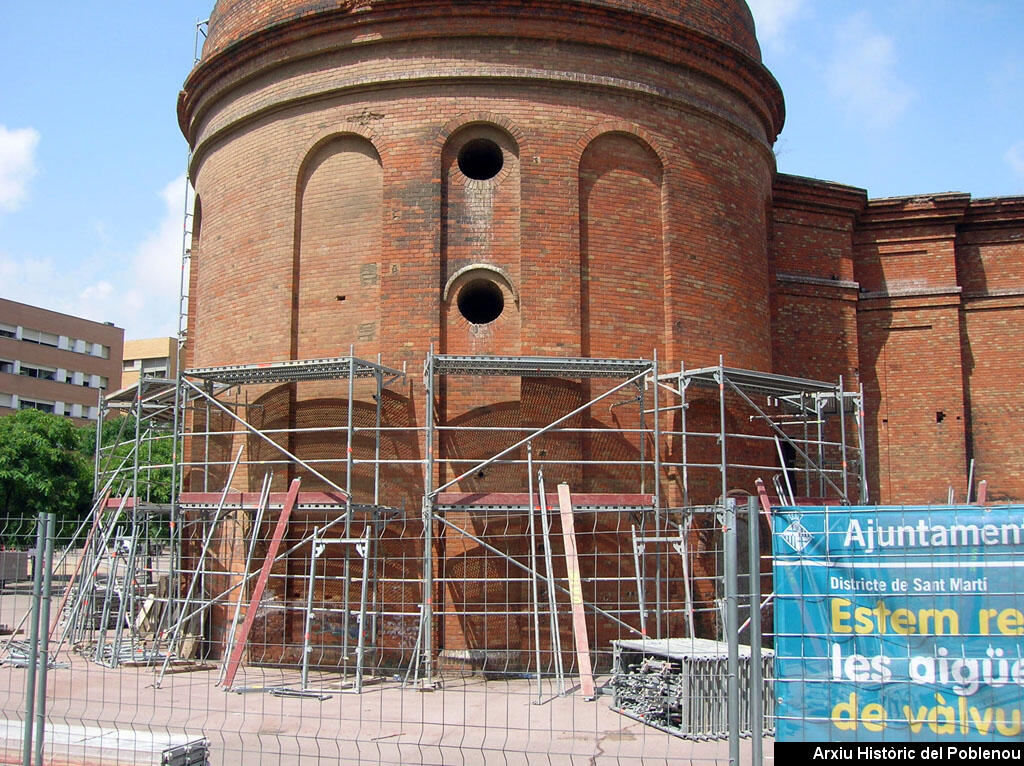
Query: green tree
point(42, 470)
point(117, 455)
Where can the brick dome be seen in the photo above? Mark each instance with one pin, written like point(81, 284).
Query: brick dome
point(727, 21)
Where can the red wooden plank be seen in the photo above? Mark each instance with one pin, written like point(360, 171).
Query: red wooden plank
point(252, 499)
point(766, 505)
point(261, 584)
point(572, 566)
point(611, 500)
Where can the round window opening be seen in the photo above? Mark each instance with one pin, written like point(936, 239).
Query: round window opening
point(481, 159)
point(481, 301)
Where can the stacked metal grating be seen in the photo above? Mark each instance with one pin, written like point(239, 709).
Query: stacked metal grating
point(195, 753)
point(679, 685)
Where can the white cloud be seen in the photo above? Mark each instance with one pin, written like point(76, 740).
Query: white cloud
point(137, 291)
point(156, 264)
point(147, 295)
point(773, 17)
point(862, 75)
point(38, 282)
point(17, 165)
point(1015, 158)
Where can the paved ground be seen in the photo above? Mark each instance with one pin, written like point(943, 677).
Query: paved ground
point(98, 715)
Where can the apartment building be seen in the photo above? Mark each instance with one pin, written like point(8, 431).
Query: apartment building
point(56, 362)
point(152, 357)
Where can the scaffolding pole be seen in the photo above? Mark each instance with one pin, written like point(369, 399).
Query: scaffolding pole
point(183, 616)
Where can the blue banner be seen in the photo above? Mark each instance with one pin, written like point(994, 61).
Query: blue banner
point(899, 623)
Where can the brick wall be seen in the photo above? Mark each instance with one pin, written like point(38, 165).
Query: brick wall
point(85, 370)
point(990, 267)
point(919, 300)
point(610, 230)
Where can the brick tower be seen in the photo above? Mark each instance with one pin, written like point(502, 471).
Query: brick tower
point(542, 178)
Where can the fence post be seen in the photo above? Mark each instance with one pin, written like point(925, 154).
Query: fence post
point(756, 680)
point(33, 640)
point(732, 628)
point(49, 522)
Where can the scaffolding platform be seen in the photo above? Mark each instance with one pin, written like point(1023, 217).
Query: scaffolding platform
point(334, 368)
point(405, 548)
point(538, 366)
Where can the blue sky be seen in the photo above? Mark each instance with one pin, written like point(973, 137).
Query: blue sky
point(900, 97)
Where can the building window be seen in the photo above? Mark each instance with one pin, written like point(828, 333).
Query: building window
point(30, 404)
point(480, 301)
point(155, 367)
point(40, 337)
point(7, 400)
point(42, 373)
point(481, 159)
point(6, 366)
point(8, 331)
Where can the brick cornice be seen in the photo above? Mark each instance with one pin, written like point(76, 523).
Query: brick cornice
point(545, 20)
point(816, 195)
point(839, 284)
point(996, 215)
point(910, 297)
point(945, 208)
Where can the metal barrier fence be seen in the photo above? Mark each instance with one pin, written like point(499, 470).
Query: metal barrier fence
point(312, 689)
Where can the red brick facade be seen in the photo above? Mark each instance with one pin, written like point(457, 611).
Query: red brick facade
point(56, 362)
point(626, 214)
point(919, 299)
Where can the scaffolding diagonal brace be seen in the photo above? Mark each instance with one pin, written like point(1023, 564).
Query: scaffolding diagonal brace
point(261, 583)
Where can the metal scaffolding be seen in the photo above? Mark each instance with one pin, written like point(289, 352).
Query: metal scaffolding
point(341, 584)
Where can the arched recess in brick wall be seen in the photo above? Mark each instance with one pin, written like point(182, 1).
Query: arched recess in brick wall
point(480, 227)
point(336, 291)
point(621, 247)
point(480, 273)
point(193, 279)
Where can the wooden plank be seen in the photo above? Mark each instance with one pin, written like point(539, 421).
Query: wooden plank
point(766, 505)
point(252, 499)
point(261, 583)
point(520, 499)
point(572, 566)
